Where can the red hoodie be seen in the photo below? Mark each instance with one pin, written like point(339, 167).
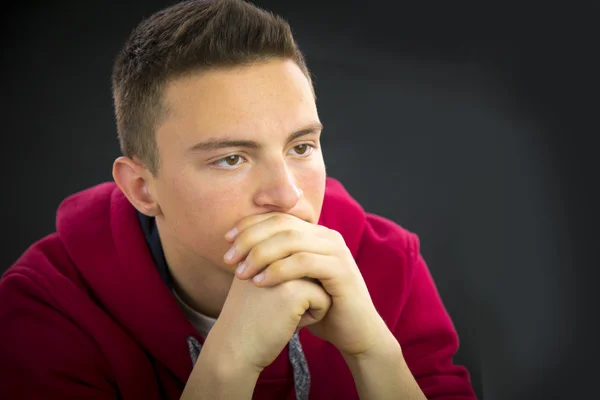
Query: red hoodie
point(86, 315)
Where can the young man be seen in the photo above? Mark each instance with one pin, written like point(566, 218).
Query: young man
point(222, 263)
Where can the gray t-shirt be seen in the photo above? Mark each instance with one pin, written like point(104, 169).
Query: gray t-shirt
point(201, 322)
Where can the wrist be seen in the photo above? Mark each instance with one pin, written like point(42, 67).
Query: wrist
point(380, 340)
point(217, 375)
point(225, 364)
point(382, 372)
point(385, 346)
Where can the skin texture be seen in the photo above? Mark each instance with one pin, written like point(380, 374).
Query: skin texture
point(253, 205)
point(197, 196)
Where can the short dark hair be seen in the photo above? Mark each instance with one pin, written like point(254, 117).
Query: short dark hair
point(184, 38)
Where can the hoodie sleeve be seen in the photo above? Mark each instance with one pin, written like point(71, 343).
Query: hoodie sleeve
point(428, 337)
point(44, 353)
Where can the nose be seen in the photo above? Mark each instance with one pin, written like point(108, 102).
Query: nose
point(278, 190)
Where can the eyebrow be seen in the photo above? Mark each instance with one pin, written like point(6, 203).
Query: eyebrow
point(215, 144)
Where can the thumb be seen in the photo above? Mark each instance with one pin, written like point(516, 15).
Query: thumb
point(319, 304)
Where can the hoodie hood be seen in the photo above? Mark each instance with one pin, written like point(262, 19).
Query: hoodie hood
point(122, 269)
point(121, 273)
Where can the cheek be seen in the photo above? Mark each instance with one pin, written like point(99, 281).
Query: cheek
point(196, 199)
point(198, 213)
point(215, 209)
point(312, 182)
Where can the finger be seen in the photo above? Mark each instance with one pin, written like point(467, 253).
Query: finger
point(323, 268)
point(254, 234)
point(251, 220)
point(279, 246)
point(245, 223)
point(314, 305)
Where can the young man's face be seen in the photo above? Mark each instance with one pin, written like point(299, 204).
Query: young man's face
point(236, 142)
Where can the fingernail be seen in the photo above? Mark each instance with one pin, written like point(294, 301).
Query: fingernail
point(231, 234)
point(259, 278)
point(241, 268)
point(230, 253)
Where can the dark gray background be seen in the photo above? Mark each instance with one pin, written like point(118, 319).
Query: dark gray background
point(484, 148)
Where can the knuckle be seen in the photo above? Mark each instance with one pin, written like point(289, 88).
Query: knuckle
point(291, 234)
point(329, 233)
point(336, 235)
point(280, 219)
point(290, 291)
point(257, 253)
point(302, 258)
point(274, 270)
point(242, 239)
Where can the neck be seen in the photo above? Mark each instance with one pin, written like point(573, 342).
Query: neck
point(205, 295)
point(201, 284)
point(202, 287)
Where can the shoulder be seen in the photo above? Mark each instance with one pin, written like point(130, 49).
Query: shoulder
point(43, 262)
point(45, 348)
point(46, 268)
point(45, 351)
point(386, 253)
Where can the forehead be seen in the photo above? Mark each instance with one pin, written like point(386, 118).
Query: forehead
point(269, 96)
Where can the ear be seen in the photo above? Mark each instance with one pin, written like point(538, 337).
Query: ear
point(136, 183)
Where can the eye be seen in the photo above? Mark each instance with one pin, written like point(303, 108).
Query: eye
point(229, 161)
point(303, 149)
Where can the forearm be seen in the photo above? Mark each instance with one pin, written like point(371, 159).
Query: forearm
point(216, 377)
point(383, 374)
